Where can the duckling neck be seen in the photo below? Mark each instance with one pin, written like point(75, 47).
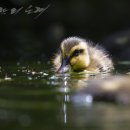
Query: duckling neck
point(96, 61)
point(99, 60)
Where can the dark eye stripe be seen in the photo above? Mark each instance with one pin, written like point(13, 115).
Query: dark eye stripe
point(77, 52)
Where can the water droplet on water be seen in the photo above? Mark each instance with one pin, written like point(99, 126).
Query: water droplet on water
point(53, 77)
point(30, 78)
point(41, 72)
point(7, 78)
point(33, 72)
point(18, 63)
point(45, 74)
point(13, 74)
point(28, 71)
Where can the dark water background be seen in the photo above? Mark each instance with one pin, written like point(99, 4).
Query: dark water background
point(106, 22)
point(34, 98)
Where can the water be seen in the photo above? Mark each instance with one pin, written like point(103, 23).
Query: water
point(34, 98)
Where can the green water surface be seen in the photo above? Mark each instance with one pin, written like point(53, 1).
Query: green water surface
point(32, 97)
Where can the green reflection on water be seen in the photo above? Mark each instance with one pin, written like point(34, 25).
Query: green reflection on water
point(33, 98)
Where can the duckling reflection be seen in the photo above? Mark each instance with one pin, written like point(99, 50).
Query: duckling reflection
point(114, 89)
point(66, 98)
point(79, 55)
point(74, 83)
point(109, 89)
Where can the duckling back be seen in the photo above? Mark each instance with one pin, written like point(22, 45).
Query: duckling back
point(99, 59)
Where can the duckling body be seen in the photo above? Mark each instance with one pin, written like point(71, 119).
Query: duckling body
point(78, 55)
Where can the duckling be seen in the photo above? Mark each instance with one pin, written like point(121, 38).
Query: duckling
point(80, 55)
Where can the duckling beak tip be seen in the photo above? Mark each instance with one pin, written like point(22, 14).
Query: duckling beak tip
point(64, 66)
point(63, 69)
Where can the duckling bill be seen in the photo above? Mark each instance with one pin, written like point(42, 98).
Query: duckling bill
point(79, 55)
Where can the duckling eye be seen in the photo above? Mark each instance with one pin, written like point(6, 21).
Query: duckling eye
point(78, 52)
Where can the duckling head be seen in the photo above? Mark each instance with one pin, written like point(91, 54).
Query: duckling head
point(74, 55)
